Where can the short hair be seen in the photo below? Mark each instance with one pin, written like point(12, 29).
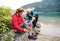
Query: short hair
point(28, 9)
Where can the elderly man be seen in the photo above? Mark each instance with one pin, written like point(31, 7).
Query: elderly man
point(32, 16)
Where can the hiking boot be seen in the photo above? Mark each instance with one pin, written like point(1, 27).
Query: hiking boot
point(32, 37)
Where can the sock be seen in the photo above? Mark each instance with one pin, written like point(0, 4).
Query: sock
point(30, 34)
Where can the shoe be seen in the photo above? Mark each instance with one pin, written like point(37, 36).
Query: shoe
point(32, 37)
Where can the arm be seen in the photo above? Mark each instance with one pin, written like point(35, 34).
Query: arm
point(15, 24)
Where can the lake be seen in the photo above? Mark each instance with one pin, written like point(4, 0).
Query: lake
point(50, 23)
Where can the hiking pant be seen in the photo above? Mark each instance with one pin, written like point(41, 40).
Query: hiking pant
point(21, 36)
point(35, 21)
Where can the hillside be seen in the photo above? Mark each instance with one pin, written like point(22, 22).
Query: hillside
point(45, 6)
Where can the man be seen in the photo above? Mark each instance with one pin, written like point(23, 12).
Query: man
point(32, 16)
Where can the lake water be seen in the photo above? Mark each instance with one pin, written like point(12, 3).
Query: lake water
point(50, 23)
point(49, 16)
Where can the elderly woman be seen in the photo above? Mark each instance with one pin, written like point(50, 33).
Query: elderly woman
point(18, 19)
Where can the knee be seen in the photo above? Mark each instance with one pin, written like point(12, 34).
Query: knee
point(36, 15)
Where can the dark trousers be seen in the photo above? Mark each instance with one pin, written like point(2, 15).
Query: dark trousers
point(35, 21)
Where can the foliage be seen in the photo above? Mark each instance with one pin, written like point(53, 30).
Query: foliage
point(9, 36)
point(5, 19)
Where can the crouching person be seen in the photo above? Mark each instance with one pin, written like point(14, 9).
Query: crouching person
point(17, 20)
point(32, 16)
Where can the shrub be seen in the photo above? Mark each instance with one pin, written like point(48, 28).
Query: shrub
point(9, 36)
point(5, 19)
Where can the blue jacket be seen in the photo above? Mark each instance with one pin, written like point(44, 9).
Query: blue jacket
point(29, 16)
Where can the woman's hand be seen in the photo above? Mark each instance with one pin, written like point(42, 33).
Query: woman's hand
point(30, 29)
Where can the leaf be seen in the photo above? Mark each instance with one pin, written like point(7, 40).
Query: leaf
point(5, 19)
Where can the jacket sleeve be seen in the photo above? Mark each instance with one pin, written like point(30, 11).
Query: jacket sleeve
point(15, 24)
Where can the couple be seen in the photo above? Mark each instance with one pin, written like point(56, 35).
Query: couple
point(19, 22)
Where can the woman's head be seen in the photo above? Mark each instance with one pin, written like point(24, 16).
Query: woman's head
point(20, 10)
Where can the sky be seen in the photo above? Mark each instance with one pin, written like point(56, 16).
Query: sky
point(14, 4)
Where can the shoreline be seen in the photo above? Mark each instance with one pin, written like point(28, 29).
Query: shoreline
point(50, 28)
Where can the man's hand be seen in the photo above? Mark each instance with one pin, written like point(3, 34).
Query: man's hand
point(33, 18)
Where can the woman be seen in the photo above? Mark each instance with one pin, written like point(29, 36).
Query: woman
point(18, 19)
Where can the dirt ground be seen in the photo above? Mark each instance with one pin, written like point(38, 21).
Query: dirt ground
point(41, 37)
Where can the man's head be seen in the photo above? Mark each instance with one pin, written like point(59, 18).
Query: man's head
point(28, 11)
point(20, 11)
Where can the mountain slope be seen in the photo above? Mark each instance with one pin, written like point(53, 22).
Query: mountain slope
point(45, 6)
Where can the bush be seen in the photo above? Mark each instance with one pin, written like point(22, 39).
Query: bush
point(9, 36)
point(5, 19)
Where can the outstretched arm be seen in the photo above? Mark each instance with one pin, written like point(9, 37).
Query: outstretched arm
point(15, 24)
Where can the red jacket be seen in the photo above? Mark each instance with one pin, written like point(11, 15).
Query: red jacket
point(16, 21)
